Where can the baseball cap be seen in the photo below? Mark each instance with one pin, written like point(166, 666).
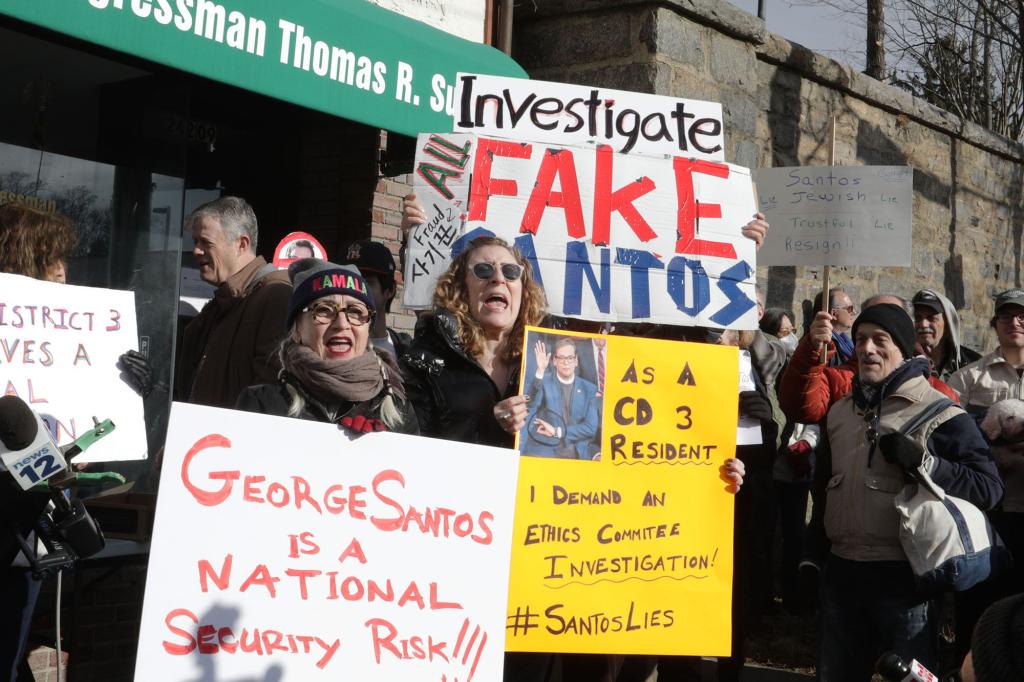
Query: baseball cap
point(1008, 297)
point(927, 299)
point(370, 257)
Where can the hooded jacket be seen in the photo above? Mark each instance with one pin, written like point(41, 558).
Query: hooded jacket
point(957, 355)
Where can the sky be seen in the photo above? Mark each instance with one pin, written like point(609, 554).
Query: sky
point(814, 25)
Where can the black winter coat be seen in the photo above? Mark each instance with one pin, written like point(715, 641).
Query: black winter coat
point(453, 396)
point(274, 399)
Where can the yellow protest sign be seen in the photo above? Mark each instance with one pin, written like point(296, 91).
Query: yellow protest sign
point(631, 553)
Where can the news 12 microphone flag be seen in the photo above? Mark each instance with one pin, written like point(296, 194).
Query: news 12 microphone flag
point(59, 349)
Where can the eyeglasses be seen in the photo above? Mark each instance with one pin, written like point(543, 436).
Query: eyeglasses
point(327, 313)
point(1007, 318)
point(848, 308)
point(565, 358)
point(484, 270)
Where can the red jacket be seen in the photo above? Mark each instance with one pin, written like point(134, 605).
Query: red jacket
point(808, 389)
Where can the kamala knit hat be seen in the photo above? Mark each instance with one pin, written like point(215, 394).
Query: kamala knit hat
point(892, 319)
point(313, 278)
point(997, 648)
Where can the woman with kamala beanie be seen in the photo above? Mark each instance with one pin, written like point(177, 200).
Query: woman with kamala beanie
point(330, 372)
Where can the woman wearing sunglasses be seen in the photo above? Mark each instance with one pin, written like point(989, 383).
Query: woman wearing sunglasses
point(330, 372)
point(463, 367)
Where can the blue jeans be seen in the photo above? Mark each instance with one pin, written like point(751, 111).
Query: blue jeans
point(868, 609)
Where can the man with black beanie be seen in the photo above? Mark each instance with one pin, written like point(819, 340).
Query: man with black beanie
point(997, 650)
point(869, 601)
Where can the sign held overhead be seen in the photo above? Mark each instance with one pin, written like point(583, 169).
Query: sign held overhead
point(617, 237)
point(568, 114)
point(837, 215)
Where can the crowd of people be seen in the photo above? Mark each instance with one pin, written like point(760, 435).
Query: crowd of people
point(312, 343)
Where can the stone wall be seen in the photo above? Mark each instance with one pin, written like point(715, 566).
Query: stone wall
point(778, 99)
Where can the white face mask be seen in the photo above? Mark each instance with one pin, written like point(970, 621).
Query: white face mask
point(789, 342)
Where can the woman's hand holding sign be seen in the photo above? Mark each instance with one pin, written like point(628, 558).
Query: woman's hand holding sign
point(511, 412)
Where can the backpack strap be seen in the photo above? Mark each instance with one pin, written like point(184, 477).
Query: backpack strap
point(922, 417)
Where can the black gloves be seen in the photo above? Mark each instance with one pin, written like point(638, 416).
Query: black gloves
point(136, 372)
point(755, 406)
point(901, 450)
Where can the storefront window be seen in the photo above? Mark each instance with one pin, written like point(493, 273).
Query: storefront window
point(80, 136)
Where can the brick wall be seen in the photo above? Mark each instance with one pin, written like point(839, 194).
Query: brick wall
point(778, 98)
point(100, 614)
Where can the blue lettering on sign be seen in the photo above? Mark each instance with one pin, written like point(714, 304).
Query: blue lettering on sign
point(639, 262)
point(462, 242)
point(577, 264)
point(677, 268)
point(739, 303)
point(526, 247)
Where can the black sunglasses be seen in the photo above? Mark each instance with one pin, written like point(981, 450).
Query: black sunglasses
point(511, 271)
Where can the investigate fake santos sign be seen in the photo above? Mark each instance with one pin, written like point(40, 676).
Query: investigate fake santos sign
point(610, 236)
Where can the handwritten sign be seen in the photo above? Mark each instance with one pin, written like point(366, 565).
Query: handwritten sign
point(837, 215)
point(283, 550)
point(615, 237)
point(581, 115)
point(441, 183)
point(633, 553)
point(59, 348)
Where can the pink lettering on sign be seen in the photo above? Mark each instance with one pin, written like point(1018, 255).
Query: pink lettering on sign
point(211, 639)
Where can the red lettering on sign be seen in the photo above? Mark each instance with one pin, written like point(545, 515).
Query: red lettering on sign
point(204, 497)
point(221, 580)
point(607, 202)
point(180, 649)
point(388, 524)
point(483, 186)
point(261, 576)
point(207, 633)
point(690, 210)
point(354, 550)
point(556, 162)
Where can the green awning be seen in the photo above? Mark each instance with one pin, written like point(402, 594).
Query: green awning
point(349, 58)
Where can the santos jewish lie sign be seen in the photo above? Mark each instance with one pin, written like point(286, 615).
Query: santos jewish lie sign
point(283, 551)
point(611, 236)
point(631, 553)
point(59, 349)
point(837, 215)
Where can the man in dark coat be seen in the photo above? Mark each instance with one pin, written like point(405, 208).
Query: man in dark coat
point(232, 343)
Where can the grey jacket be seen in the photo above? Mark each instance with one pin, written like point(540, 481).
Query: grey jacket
point(957, 355)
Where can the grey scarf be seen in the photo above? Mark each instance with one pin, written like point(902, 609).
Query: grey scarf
point(332, 381)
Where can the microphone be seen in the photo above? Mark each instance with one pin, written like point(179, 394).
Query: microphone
point(893, 668)
point(29, 454)
point(26, 449)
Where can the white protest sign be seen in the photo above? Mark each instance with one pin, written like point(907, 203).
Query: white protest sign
point(283, 550)
point(441, 183)
point(59, 348)
point(617, 237)
point(581, 115)
point(837, 215)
